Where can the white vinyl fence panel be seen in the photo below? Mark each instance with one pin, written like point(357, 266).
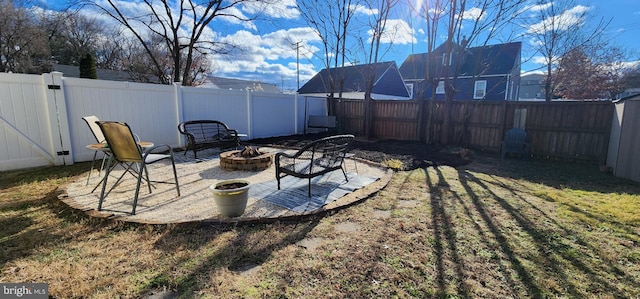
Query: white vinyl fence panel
point(42, 125)
point(227, 106)
point(149, 109)
point(273, 115)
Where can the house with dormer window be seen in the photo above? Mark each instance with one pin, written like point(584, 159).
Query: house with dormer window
point(475, 73)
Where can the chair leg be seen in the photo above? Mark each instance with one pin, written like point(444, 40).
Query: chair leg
point(93, 162)
point(278, 175)
point(146, 173)
point(141, 167)
point(344, 172)
point(128, 169)
point(175, 174)
point(309, 187)
point(104, 184)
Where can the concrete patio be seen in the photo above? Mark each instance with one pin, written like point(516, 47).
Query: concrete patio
point(266, 202)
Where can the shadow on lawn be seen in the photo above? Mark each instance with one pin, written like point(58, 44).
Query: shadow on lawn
point(13, 178)
point(549, 243)
point(21, 232)
point(545, 261)
point(444, 232)
point(249, 248)
point(26, 232)
point(583, 175)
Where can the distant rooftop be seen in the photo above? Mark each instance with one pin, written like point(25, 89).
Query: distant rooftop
point(73, 71)
point(238, 84)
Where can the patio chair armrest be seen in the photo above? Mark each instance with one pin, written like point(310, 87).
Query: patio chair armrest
point(234, 133)
point(290, 156)
point(154, 149)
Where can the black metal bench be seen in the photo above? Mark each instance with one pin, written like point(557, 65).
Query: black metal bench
point(322, 122)
point(315, 159)
point(206, 134)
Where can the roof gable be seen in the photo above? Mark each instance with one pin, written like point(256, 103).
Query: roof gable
point(476, 61)
point(387, 80)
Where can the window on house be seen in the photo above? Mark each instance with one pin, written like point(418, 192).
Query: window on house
point(447, 58)
point(409, 87)
point(480, 89)
point(440, 88)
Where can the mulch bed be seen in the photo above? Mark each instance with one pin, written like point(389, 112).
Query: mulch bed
point(412, 154)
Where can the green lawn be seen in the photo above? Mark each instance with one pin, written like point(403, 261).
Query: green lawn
point(492, 229)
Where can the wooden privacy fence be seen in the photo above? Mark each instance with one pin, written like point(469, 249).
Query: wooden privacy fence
point(564, 129)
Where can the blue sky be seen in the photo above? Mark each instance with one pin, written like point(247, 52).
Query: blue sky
point(268, 44)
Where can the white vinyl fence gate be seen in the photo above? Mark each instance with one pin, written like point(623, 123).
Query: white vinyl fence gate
point(33, 122)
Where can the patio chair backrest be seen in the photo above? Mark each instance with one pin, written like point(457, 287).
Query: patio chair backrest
point(515, 138)
point(121, 141)
point(93, 126)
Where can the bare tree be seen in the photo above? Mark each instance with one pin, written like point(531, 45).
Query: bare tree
point(23, 45)
point(465, 23)
point(381, 10)
point(179, 25)
point(71, 35)
point(432, 13)
point(332, 20)
point(110, 51)
point(559, 28)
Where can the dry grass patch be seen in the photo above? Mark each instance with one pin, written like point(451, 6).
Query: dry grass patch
point(492, 229)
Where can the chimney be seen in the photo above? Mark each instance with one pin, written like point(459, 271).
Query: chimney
point(464, 42)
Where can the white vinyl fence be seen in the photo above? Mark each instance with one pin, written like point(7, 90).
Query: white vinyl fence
point(41, 115)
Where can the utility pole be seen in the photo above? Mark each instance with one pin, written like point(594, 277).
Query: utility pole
point(298, 63)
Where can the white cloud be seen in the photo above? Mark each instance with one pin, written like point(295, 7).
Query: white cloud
point(237, 17)
point(363, 10)
point(259, 53)
point(474, 14)
point(397, 32)
point(565, 20)
point(536, 8)
point(284, 9)
point(631, 64)
point(540, 60)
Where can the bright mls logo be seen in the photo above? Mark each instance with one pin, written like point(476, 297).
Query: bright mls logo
point(24, 290)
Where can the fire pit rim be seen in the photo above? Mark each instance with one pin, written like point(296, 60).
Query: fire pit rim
point(230, 161)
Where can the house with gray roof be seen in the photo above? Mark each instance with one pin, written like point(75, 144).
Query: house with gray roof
point(387, 83)
point(479, 73)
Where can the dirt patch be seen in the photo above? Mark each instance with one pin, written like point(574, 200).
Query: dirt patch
point(411, 154)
